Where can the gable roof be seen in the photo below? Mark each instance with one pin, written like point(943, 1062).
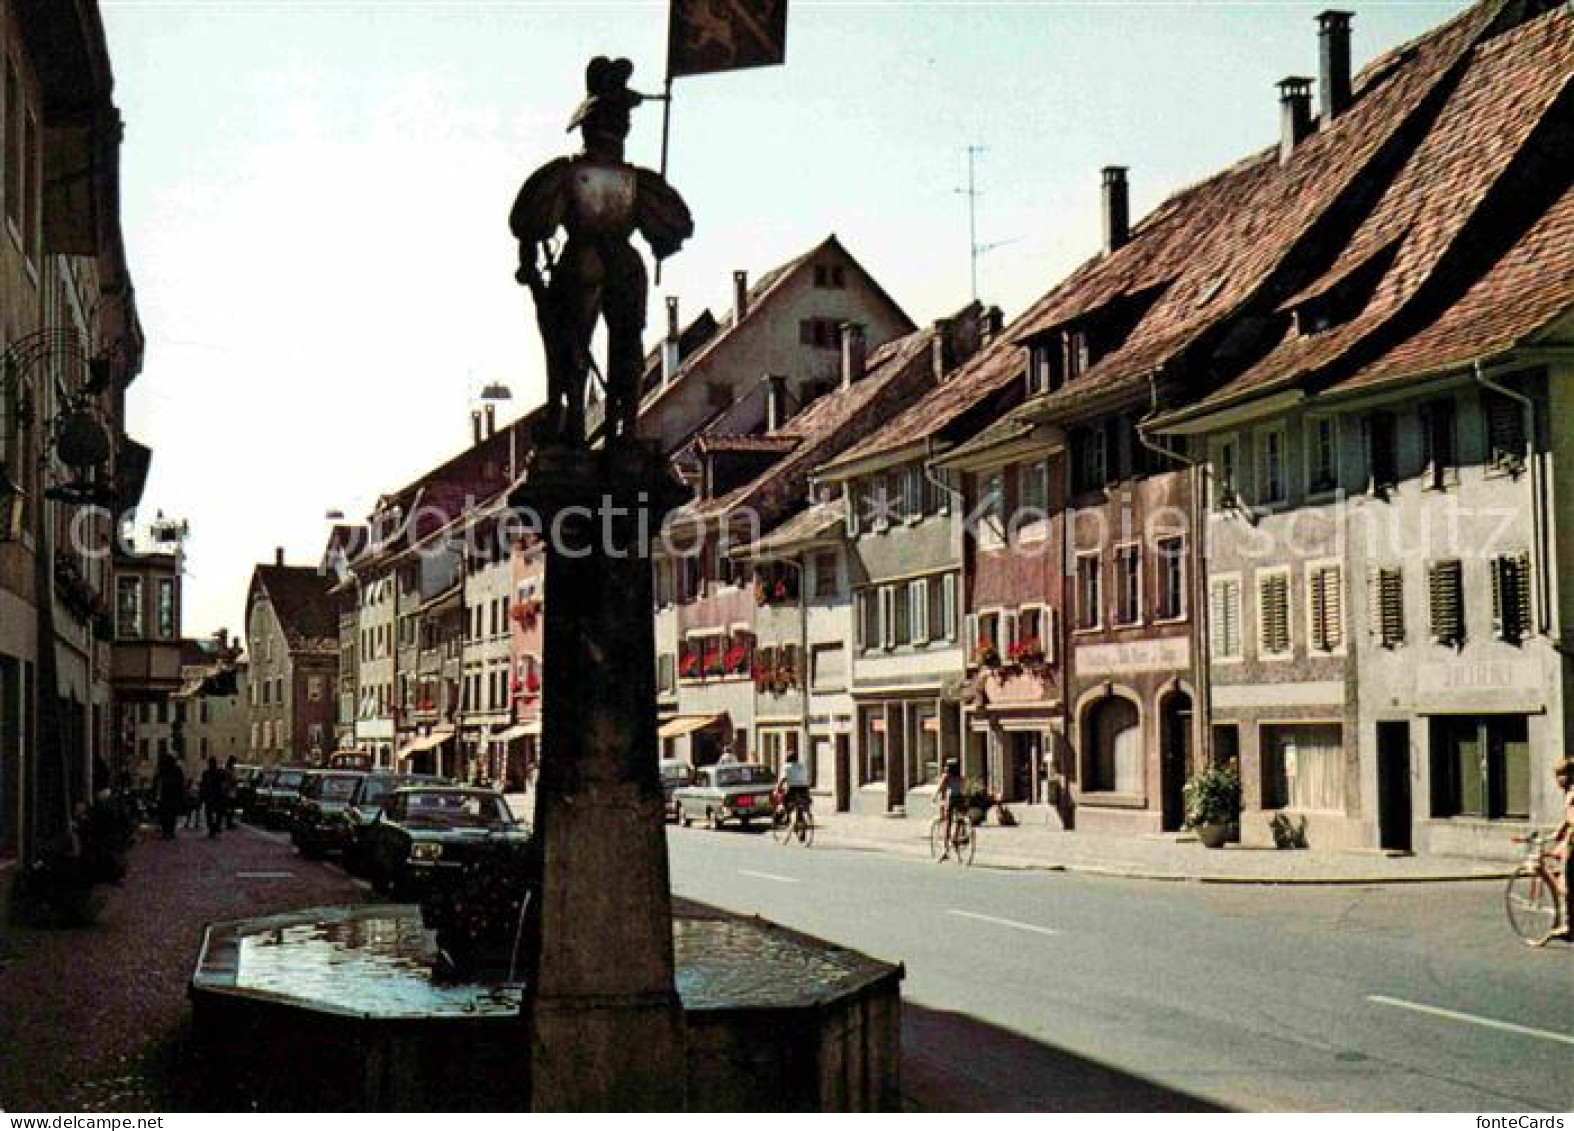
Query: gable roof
point(302, 604)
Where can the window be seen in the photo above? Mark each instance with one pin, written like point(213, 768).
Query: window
point(991, 510)
point(1322, 454)
point(1045, 368)
point(918, 611)
point(1303, 767)
point(912, 498)
point(1381, 460)
point(1273, 614)
point(1089, 592)
point(1078, 353)
point(1128, 584)
point(1437, 439)
point(902, 612)
point(1511, 598)
point(828, 664)
point(1224, 614)
point(874, 745)
point(1225, 469)
point(1386, 592)
point(989, 630)
point(1481, 766)
point(825, 574)
point(128, 607)
point(1446, 593)
point(821, 333)
point(1505, 425)
point(1325, 607)
point(1113, 736)
point(1091, 448)
point(942, 607)
point(887, 617)
point(1270, 465)
point(829, 277)
point(1172, 578)
point(1033, 491)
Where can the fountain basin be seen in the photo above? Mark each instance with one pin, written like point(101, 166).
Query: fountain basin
point(335, 1008)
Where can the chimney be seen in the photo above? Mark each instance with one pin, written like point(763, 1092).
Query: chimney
point(278, 555)
point(475, 426)
point(669, 347)
point(990, 323)
point(1333, 39)
point(491, 420)
point(1295, 114)
point(853, 354)
point(740, 296)
point(937, 351)
point(775, 402)
point(1117, 209)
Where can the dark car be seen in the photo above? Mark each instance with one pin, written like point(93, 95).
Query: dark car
point(721, 793)
point(245, 787)
point(425, 830)
point(255, 792)
point(675, 773)
point(365, 806)
point(321, 824)
point(276, 800)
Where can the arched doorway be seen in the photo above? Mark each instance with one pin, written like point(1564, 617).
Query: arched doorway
point(1112, 737)
point(1174, 757)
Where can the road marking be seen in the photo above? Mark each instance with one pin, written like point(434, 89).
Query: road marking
point(264, 875)
point(767, 876)
point(1472, 1019)
point(1004, 922)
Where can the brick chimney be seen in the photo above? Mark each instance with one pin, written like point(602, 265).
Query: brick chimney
point(990, 323)
point(1295, 114)
point(853, 353)
point(278, 555)
point(475, 426)
point(740, 296)
point(1117, 209)
point(1333, 40)
point(491, 420)
point(776, 409)
point(669, 346)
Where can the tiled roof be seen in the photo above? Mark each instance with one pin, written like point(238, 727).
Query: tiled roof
point(1244, 240)
point(808, 525)
point(300, 599)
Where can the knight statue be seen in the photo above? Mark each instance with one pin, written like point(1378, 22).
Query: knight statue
point(599, 201)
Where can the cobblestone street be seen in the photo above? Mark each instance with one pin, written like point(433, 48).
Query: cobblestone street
point(96, 1019)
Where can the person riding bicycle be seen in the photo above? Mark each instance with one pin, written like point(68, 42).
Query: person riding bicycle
point(1563, 774)
point(950, 795)
point(793, 788)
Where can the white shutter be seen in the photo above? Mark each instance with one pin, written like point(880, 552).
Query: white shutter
point(1333, 607)
point(971, 642)
point(948, 605)
point(1008, 633)
point(1050, 626)
point(887, 617)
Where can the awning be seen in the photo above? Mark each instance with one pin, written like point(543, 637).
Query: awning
point(425, 742)
point(532, 729)
point(681, 725)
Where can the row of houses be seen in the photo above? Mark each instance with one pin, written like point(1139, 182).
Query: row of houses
point(1278, 477)
point(89, 626)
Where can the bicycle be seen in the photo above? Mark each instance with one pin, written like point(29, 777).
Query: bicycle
point(964, 839)
point(793, 822)
point(1534, 894)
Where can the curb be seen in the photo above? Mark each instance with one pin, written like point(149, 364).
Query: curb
point(1018, 864)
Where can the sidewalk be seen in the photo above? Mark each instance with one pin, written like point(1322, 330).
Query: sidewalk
point(96, 1019)
point(1032, 844)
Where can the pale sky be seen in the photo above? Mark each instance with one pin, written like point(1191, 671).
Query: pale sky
point(315, 196)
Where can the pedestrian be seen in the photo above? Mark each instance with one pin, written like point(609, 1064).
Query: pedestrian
point(169, 792)
point(193, 805)
point(213, 795)
point(231, 791)
point(728, 758)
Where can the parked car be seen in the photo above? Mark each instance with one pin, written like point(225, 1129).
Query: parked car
point(675, 773)
point(366, 803)
point(321, 824)
point(740, 793)
point(276, 800)
point(256, 793)
point(245, 787)
point(424, 830)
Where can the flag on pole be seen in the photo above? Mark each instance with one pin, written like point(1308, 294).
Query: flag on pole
point(704, 36)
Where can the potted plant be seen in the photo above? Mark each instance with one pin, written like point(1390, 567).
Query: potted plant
point(1027, 651)
point(986, 655)
point(1213, 801)
point(979, 801)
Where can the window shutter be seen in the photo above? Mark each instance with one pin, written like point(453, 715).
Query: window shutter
point(1511, 599)
point(918, 604)
point(850, 501)
point(1333, 607)
point(1319, 601)
point(972, 634)
point(1522, 595)
point(948, 605)
point(887, 617)
point(1386, 606)
point(1447, 601)
point(1273, 605)
point(1051, 629)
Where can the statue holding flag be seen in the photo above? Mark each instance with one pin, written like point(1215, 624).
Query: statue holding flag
point(599, 201)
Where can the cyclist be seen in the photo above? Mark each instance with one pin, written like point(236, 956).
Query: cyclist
point(793, 788)
point(1564, 775)
point(949, 796)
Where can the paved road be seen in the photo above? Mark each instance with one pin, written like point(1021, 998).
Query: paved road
point(1034, 990)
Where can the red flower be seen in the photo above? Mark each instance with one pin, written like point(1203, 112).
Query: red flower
point(532, 684)
point(737, 658)
point(690, 664)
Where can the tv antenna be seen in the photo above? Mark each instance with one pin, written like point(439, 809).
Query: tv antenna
point(976, 250)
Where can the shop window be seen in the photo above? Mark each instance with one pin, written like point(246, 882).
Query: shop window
point(1113, 739)
point(1303, 767)
point(1481, 766)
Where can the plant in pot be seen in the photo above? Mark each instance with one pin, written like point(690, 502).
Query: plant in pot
point(1213, 801)
point(979, 801)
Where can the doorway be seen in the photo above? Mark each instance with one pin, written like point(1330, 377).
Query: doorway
point(1393, 786)
point(844, 773)
point(1174, 758)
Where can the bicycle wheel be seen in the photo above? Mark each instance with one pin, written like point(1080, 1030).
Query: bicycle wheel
point(965, 841)
point(936, 838)
point(781, 826)
point(804, 829)
point(1532, 906)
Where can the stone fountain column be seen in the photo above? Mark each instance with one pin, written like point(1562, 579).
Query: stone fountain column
point(606, 1022)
